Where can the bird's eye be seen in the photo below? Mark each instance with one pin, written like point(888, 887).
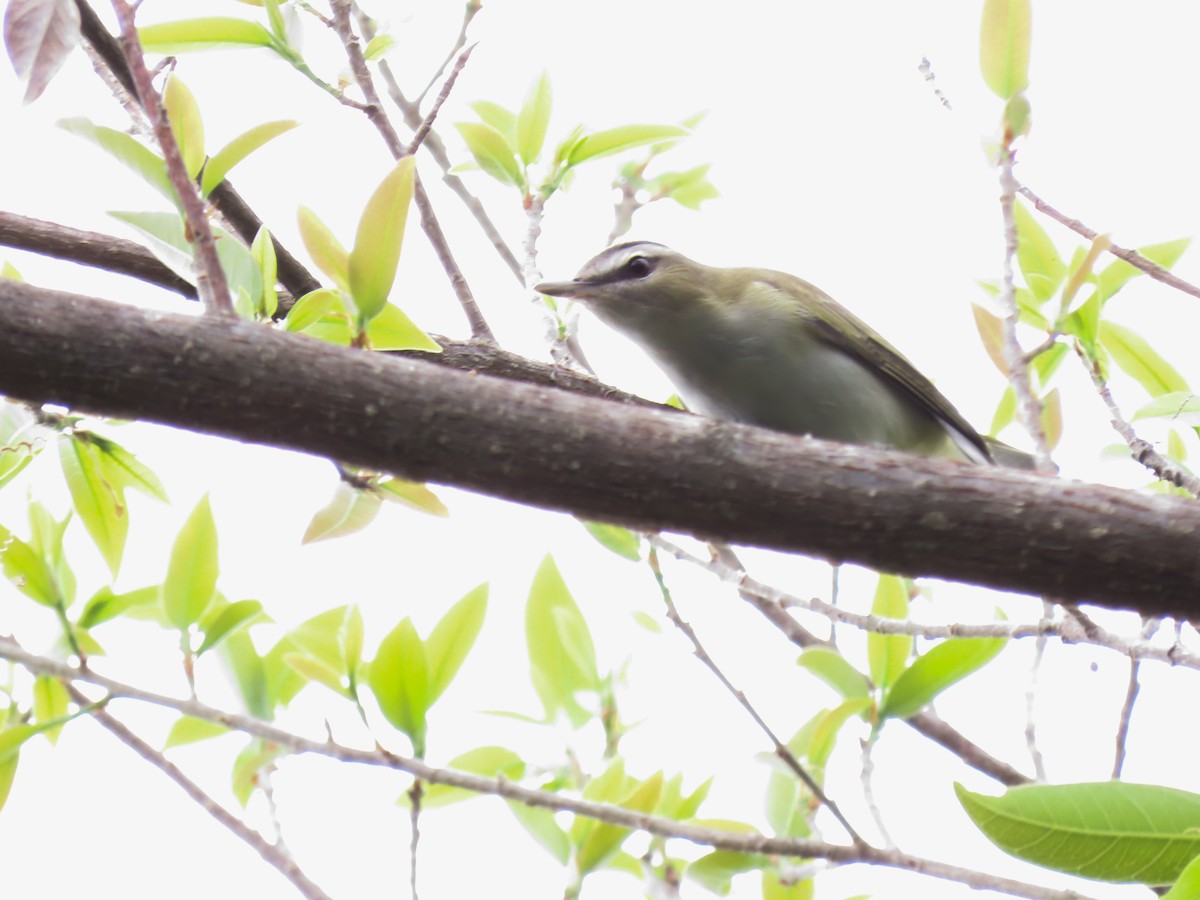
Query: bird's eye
point(638, 267)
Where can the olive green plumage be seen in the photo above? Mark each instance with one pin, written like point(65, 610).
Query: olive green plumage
point(769, 349)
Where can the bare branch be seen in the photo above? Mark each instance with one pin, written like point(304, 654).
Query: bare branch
point(426, 125)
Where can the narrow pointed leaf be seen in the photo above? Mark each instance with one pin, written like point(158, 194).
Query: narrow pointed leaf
point(492, 152)
point(376, 253)
point(325, 249)
point(239, 148)
point(99, 501)
point(832, 668)
point(503, 120)
point(619, 139)
point(561, 654)
point(488, 761)
point(542, 827)
point(1139, 360)
point(188, 730)
point(534, 119)
point(1004, 39)
point(27, 571)
point(128, 151)
point(399, 679)
point(932, 672)
point(412, 494)
point(186, 124)
point(124, 469)
point(1040, 262)
point(391, 329)
point(236, 615)
point(192, 571)
point(263, 252)
point(210, 33)
point(311, 308)
point(350, 511)
point(604, 838)
point(452, 638)
point(620, 541)
point(888, 653)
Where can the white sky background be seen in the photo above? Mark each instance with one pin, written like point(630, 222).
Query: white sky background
point(834, 161)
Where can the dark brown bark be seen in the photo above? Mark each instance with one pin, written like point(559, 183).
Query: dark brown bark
point(645, 468)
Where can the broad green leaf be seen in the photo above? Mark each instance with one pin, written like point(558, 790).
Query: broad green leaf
point(8, 773)
point(832, 668)
point(50, 702)
point(249, 674)
point(99, 502)
point(399, 679)
point(211, 33)
point(1108, 831)
point(263, 251)
point(412, 494)
point(1004, 46)
point(452, 638)
point(1040, 262)
point(561, 654)
point(125, 470)
point(188, 730)
point(238, 149)
point(533, 120)
point(191, 579)
point(104, 605)
point(619, 139)
point(1187, 885)
point(128, 151)
point(350, 511)
point(324, 636)
point(1006, 412)
point(604, 839)
point(242, 271)
point(1052, 418)
point(932, 672)
point(183, 112)
point(620, 541)
point(1084, 322)
point(544, 829)
point(888, 653)
point(492, 152)
point(1140, 361)
point(503, 120)
point(257, 757)
point(1117, 274)
point(827, 725)
point(490, 762)
point(314, 670)
point(309, 309)
point(167, 240)
point(673, 805)
point(991, 334)
point(714, 871)
point(378, 47)
point(562, 150)
point(391, 329)
point(325, 249)
point(1047, 363)
point(28, 572)
point(234, 616)
point(1178, 406)
point(372, 264)
point(17, 447)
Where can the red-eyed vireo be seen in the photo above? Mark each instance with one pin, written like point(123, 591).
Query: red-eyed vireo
point(769, 349)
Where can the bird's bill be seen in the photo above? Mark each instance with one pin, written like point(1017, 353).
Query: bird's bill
point(561, 288)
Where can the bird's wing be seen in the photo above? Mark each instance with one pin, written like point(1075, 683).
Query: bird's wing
point(832, 322)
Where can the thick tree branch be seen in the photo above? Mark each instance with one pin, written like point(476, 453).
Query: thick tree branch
point(645, 468)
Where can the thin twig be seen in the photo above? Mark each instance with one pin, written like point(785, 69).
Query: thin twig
point(426, 125)
point(472, 7)
point(781, 749)
point(737, 841)
point(210, 277)
point(867, 766)
point(429, 222)
point(1142, 450)
point(272, 854)
point(1149, 626)
point(1135, 259)
point(1035, 667)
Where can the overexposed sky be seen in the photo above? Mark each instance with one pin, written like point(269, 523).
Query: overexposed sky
point(835, 161)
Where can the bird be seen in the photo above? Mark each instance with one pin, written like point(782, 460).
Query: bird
point(762, 347)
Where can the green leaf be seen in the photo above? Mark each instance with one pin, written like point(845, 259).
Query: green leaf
point(603, 839)
point(991, 335)
point(826, 726)
point(774, 888)
point(28, 572)
point(235, 615)
point(1108, 831)
point(534, 119)
point(503, 120)
point(617, 140)
point(1004, 46)
point(490, 762)
point(412, 494)
point(311, 308)
point(315, 670)
point(263, 252)
point(561, 654)
point(249, 674)
point(832, 668)
point(932, 672)
point(492, 152)
point(104, 605)
point(1187, 885)
point(125, 470)
point(99, 502)
point(8, 773)
point(372, 264)
point(256, 758)
point(1117, 274)
point(620, 541)
point(17, 447)
point(238, 149)
point(888, 653)
point(167, 239)
point(544, 829)
point(50, 703)
point(188, 730)
point(1040, 262)
point(126, 150)
point(186, 124)
point(1140, 361)
point(191, 578)
point(351, 510)
point(325, 635)
point(378, 47)
point(1178, 406)
point(211, 33)
point(391, 329)
point(452, 638)
point(399, 679)
point(325, 249)
point(1052, 418)
point(714, 871)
